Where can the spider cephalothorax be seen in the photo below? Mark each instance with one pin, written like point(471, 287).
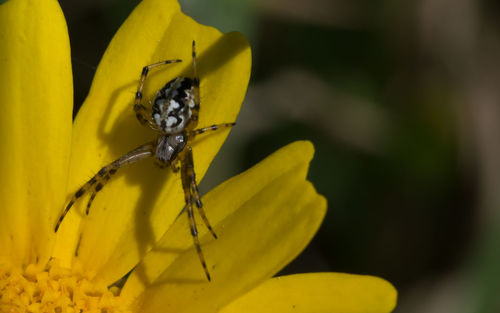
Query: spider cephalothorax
point(168, 147)
point(174, 115)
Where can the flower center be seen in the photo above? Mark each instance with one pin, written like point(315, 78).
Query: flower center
point(55, 289)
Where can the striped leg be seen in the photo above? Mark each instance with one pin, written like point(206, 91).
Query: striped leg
point(202, 130)
point(199, 205)
point(96, 183)
point(187, 177)
point(141, 112)
point(196, 86)
point(102, 178)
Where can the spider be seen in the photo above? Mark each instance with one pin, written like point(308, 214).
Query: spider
point(174, 116)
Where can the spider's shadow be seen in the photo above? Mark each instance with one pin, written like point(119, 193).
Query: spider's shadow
point(128, 132)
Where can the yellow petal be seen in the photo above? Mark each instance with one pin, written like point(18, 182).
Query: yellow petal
point(263, 217)
point(319, 292)
point(35, 126)
point(141, 201)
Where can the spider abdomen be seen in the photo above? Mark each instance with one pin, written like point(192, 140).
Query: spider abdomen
point(173, 105)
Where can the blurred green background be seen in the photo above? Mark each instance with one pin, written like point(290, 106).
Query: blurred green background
point(402, 102)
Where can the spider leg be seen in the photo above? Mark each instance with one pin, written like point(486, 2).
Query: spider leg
point(187, 175)
point(91, 199)
point(196, 240)
point(142, 114)
point(196, 87)
point(202, 130)
point(96, 183)
point(111, 171)
point(199, 205)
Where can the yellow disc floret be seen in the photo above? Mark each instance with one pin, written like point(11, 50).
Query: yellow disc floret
point(54, 290)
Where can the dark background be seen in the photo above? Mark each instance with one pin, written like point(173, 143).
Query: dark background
point(401, 100)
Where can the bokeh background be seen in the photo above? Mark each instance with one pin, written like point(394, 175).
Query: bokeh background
point(401, 100)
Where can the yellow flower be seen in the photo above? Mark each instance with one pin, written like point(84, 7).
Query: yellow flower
point(264, 217)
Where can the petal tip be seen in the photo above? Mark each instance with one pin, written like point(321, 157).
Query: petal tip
point(391, 296)
point(383, 292)
point(305, 148)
